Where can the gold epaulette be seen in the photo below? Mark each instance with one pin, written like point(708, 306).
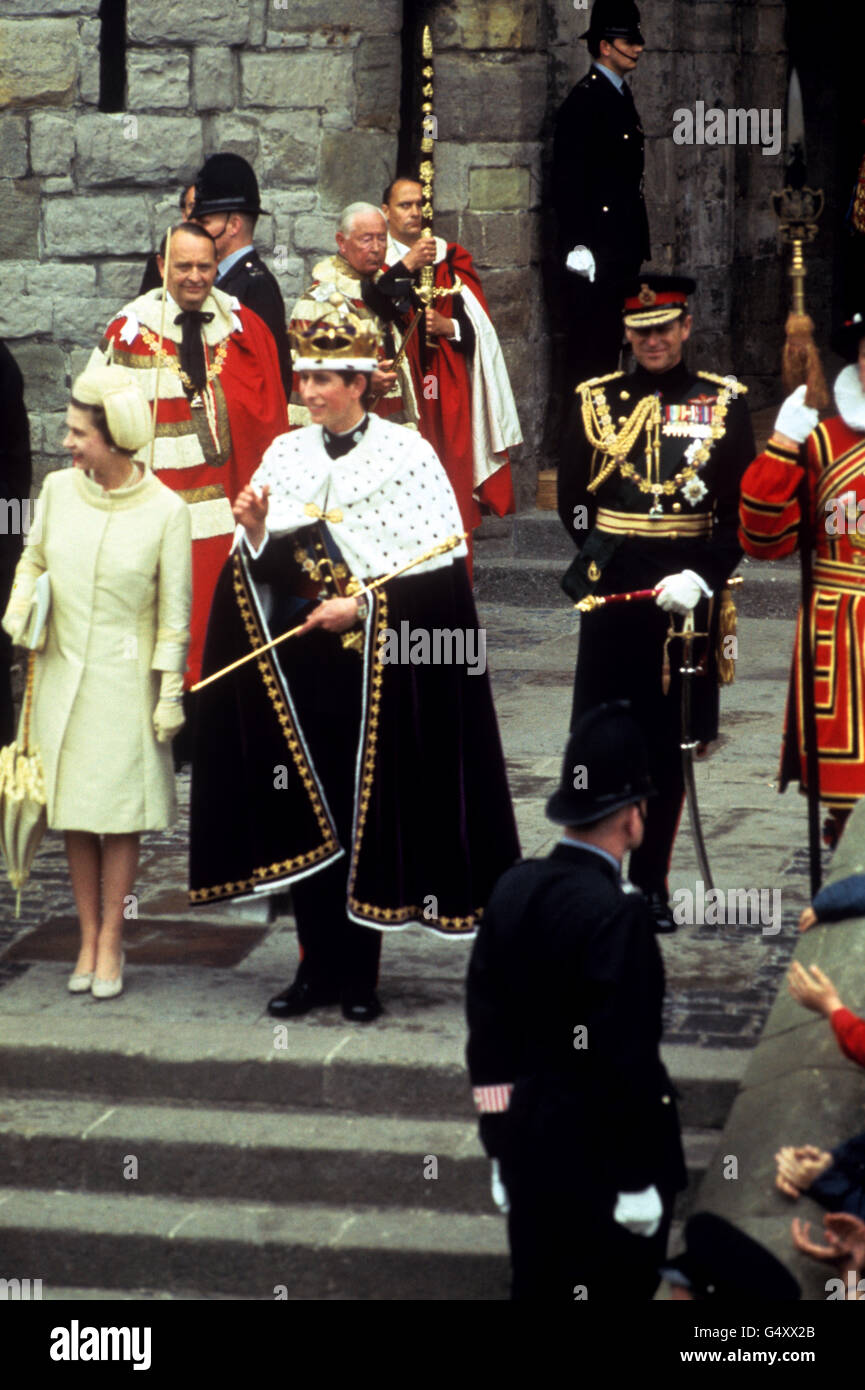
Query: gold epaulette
point(597, 381)
point(738, 389)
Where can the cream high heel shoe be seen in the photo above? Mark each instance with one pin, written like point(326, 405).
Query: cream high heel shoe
point(80, 984)
point(109, 989)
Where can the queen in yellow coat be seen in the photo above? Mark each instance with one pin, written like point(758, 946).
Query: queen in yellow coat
point(115, 544)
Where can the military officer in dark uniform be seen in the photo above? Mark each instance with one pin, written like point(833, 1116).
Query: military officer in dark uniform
point(564, 999)
point(227, 205)
point(648, 491)
point(597, 186)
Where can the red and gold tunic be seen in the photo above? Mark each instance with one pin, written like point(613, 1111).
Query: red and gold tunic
point(770, 518)
point(207, 449)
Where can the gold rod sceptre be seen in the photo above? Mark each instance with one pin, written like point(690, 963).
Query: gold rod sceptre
point(450, 544)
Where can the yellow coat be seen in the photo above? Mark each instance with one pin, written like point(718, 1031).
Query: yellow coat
point(119, 568)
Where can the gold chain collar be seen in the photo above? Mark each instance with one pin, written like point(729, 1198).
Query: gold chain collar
point(646, 415)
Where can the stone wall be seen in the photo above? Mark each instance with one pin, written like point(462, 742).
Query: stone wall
point(85, 195)
point(314, 105)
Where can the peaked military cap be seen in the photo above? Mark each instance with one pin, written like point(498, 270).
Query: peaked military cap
point(655, 299)
point(607, 758)
point(226, 183)
point(614, 19)
point(720, 1262)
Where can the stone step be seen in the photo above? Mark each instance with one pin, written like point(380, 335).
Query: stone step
point(206, 1154)
point(252, 1251)
point(360, 1072)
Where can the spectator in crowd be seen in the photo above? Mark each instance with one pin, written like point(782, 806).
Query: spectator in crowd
point(836, 1180)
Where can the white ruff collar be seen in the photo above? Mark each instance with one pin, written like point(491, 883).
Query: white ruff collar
point(147, 309)
point(850, 398)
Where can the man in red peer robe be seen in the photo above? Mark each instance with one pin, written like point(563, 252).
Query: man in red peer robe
point(464, 397)
point(221, 401)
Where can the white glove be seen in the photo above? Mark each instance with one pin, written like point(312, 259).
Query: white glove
point(498, 1189)
point(795, 418)
point(679, 593)
point(168, 717)
point(639, 1212)
point(582, 261)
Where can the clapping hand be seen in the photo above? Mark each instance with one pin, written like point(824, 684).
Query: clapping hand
point(814, 991)
point(799, 1168)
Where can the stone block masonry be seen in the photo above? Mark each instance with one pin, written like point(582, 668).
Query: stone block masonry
point(312, 99)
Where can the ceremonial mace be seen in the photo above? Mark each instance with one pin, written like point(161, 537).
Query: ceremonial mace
point(426, 291)
point(450, 544)
point(798, 209)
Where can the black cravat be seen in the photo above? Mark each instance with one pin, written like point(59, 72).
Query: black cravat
point(338, 445)
point(192, 346)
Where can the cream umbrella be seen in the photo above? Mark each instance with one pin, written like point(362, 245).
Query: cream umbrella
point(22, 799)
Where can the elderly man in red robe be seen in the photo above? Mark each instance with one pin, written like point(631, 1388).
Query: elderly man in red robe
point(464, 397)
point(213, 365)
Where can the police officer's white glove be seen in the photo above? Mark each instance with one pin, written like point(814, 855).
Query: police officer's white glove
point(168, 716)
point(639, 1212)
point(582, 261)
point(679, 593)
point(498, 1189)
point(795, 418)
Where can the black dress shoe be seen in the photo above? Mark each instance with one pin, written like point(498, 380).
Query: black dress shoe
point(298, 999)
point(661, 913)
point(364, 1008)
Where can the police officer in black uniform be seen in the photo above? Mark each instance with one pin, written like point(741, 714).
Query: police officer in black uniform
point(564, 999)
point(597, 186)
point(648, 491)
point(227, 205)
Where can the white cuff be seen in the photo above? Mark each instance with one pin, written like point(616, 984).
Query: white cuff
point(639, 1212)
point(250, 547)
point(698, 579)
point(581, 261)
point(795, 418)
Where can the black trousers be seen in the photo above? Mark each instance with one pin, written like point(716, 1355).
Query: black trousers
point(340, 957)
point(565, 1244)
point(620, 659)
